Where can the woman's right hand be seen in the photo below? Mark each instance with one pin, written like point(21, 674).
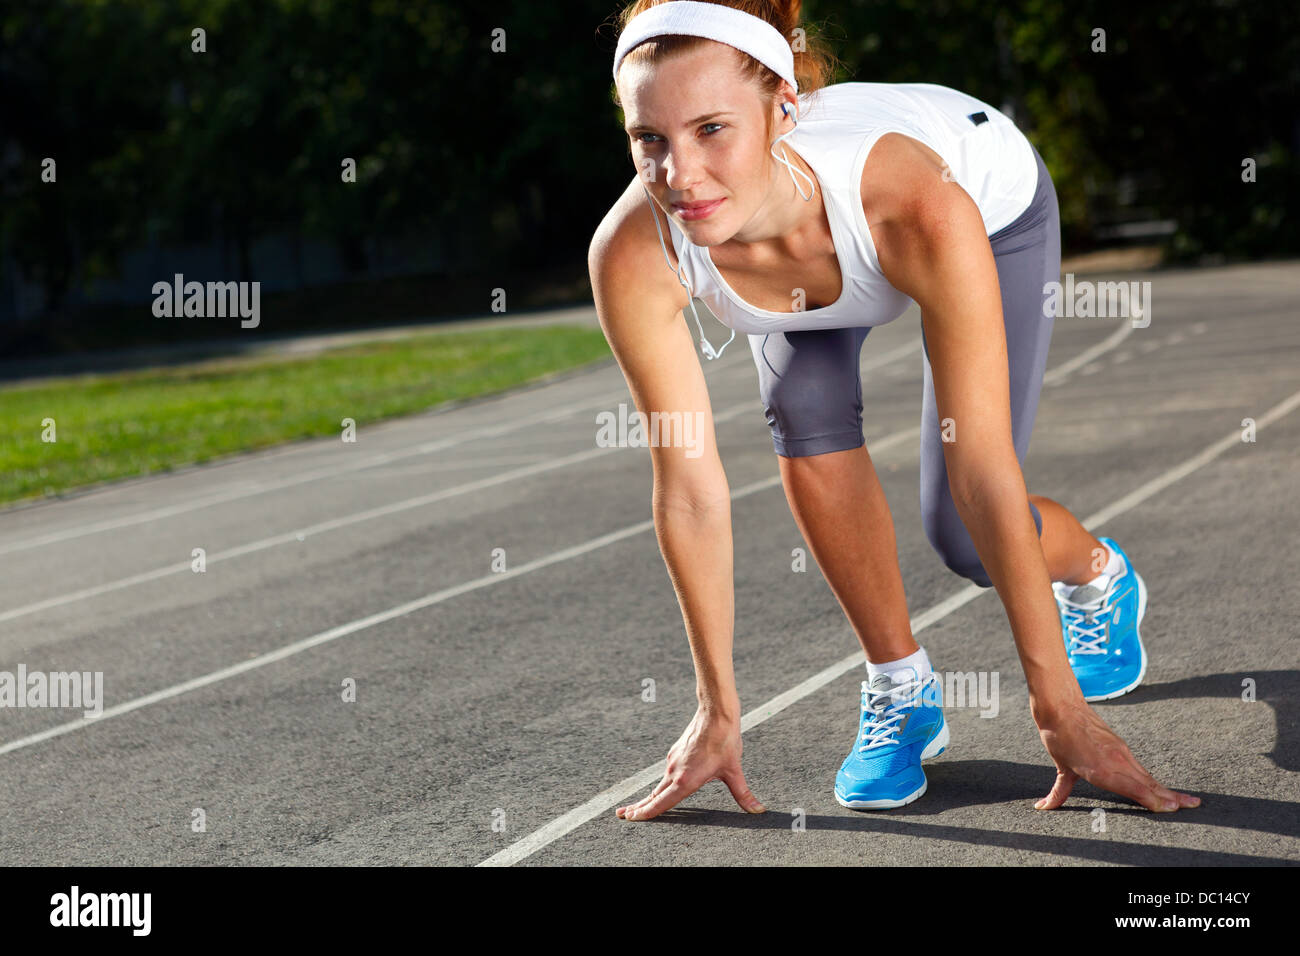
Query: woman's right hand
point(709, 749)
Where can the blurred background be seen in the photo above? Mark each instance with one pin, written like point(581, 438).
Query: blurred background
point(487, 148)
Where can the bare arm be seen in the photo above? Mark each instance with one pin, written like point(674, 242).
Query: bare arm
point(933, 246)
point(639, 302)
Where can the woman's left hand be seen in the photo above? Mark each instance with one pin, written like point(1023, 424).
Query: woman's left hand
point(1082, 745)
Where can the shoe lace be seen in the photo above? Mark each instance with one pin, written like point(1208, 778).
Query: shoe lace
point(881, 714)
point(1085, 624)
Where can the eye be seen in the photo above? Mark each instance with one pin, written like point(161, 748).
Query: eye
point(637, 138)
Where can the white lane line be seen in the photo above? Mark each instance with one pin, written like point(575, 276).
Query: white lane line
point(619, 793)
point(456, 464)
point(1232, 439)
point(437, 597)
point(1062, 371)
point(353, 627)
point(288, 537)
point(608, 799)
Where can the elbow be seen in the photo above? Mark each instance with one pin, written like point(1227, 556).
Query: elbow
point(983, 485)
point(696, 501)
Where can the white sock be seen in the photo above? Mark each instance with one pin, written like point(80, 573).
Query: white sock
point(1113, 567)
point(917, 666)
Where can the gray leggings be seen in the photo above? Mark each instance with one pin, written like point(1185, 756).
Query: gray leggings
point(811, 386)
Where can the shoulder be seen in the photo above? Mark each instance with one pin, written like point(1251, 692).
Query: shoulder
point(627, 235)
point(628, 229)
point(917, 212)
point(625, 250)
point(902, 179)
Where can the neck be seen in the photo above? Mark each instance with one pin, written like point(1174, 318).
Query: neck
point(785, 217)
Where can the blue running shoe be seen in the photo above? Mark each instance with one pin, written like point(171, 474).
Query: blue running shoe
point(1100, 627)
point(901, 725)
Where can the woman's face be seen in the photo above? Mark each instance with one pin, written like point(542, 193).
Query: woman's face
point(699, 140)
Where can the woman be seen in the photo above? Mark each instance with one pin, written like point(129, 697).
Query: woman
point(880, 195)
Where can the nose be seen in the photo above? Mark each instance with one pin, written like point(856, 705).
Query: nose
point(680, 169)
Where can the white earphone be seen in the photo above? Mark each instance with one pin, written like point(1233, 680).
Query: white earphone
point(787, 109)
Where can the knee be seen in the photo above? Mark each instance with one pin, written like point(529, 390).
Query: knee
point(961, 558)
point(952, 542)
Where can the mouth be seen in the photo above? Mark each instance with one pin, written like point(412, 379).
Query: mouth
point(696, 210)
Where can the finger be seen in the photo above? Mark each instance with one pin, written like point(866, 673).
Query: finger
point(659, 787)
point(1164, 800)
point(1172, 799)
point(735, 781)
point(1060, 791)
point(1153, 795)
point(1140, 787)
point(665, 801)
point(637, 804)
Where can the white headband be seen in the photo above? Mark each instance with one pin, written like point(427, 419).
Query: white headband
point(713, 21)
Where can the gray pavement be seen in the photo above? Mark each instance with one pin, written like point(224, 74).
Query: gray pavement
point(490, 706)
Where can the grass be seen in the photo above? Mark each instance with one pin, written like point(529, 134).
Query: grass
point(153, 420)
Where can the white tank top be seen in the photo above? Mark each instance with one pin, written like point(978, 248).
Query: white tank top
point(990, 158)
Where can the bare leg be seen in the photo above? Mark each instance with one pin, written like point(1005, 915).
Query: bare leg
point(840, 508)
point(1067, 545)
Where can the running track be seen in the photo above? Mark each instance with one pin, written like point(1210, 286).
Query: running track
point(499, 715)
